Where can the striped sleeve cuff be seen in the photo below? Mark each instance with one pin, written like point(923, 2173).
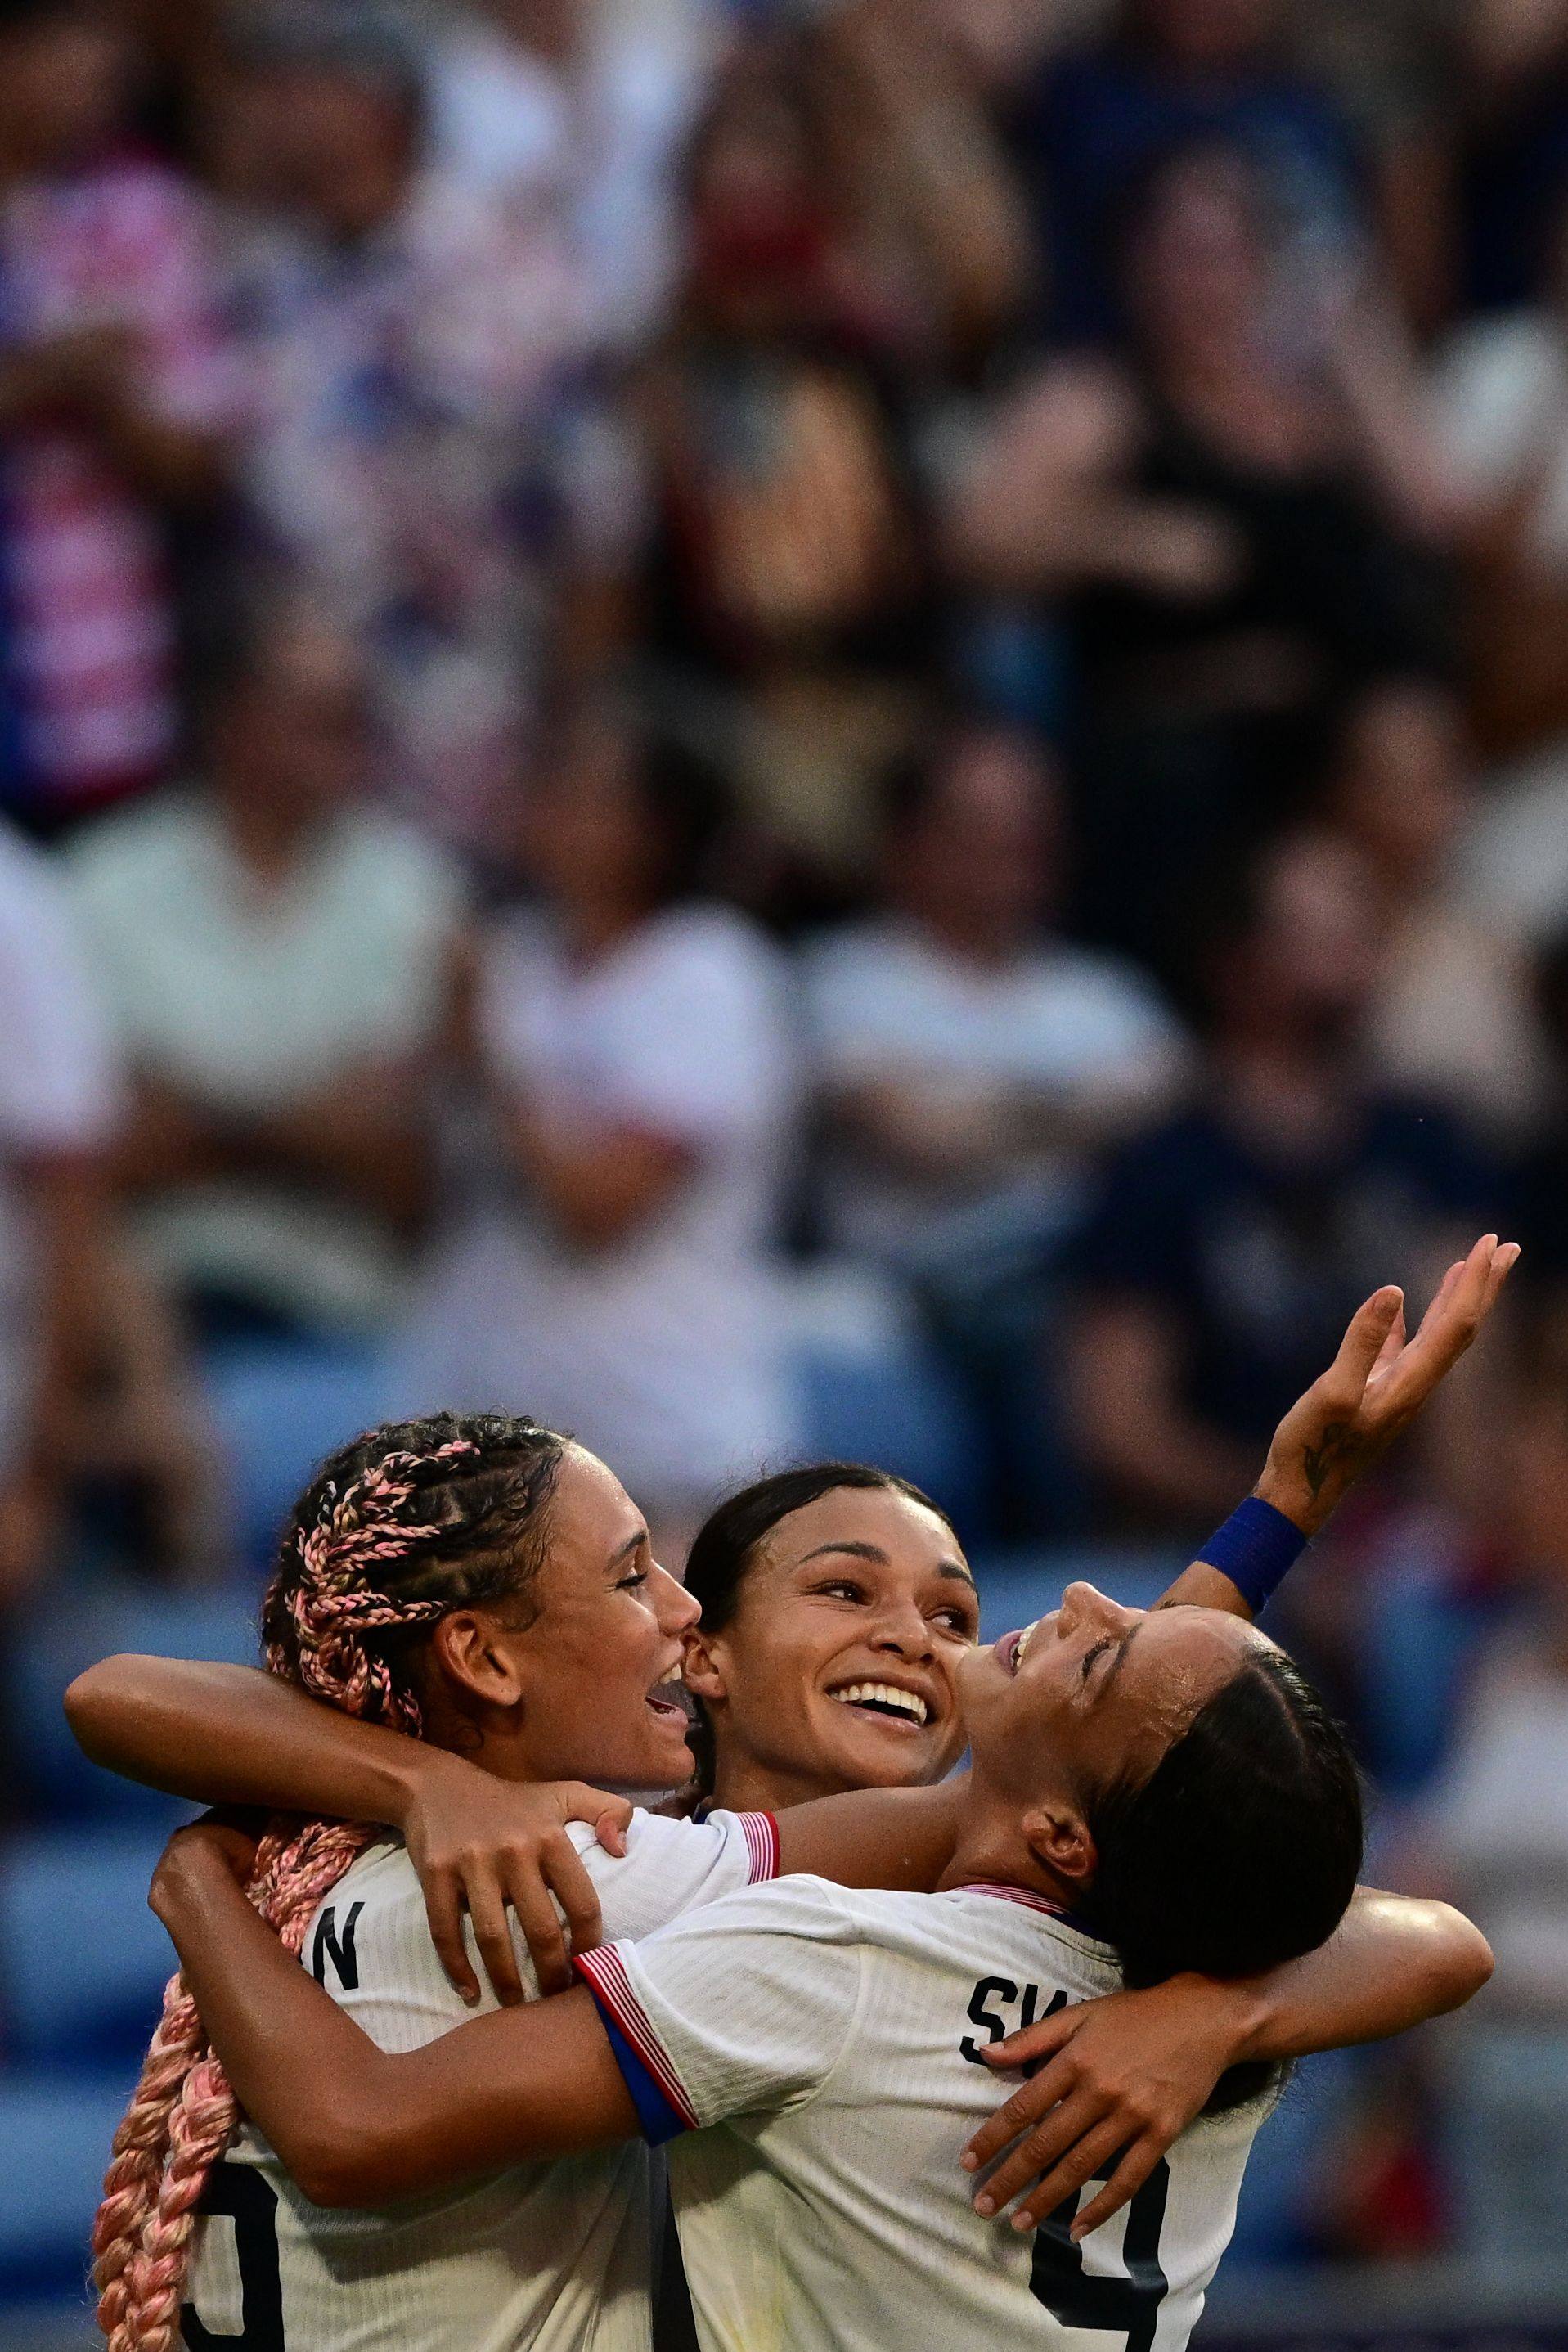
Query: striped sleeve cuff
point(663, 2108)
point(761, 1834)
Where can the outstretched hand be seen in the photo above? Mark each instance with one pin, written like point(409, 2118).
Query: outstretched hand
point(1376, 1385)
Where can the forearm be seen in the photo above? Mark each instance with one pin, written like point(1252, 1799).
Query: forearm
point(598, 1186)
point(234, 1736)
point(1393, 1963)
point(355, 2125)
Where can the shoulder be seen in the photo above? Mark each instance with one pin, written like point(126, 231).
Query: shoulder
point(137, 850)
point(702, 941)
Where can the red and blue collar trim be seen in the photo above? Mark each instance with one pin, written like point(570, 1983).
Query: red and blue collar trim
point(1026, 1896)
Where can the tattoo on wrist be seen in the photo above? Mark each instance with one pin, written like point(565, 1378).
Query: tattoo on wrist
point(1335, 1454)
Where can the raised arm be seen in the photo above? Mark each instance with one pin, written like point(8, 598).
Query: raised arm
point(353, 2124)
point(1118, 2080)
point(1373, 1390)
point(234, 1736)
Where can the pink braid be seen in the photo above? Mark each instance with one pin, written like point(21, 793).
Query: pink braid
point(183, 2113)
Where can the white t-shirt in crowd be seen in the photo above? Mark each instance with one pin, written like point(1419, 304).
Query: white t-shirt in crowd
point(662, 1350)
point(1501, 400)
point(602, 141)
point(58, 1092)
point(1502, 1829)
point(249, 1002)
point(823, 2047)
point(557, 2257)
point(885, 1000)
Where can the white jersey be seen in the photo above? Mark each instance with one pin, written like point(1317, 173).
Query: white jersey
point(826, 2045)
point(556, 2257)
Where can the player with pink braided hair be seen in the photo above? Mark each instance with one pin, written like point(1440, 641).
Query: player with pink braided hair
point(441, 1522)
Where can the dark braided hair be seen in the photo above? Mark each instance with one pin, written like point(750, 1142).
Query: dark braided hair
point(408, 1522)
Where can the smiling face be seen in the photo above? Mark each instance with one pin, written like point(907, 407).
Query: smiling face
point(1089, 1695)
point(838, 1667)
point(598, 1629)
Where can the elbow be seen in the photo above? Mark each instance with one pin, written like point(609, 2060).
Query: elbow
point(1460, 1960)
point(1473, 1961)
point(92, 1705)
point(338, 2163)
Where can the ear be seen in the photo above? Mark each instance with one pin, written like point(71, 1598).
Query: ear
point(1059, 1837)
point(703, 1667)
point(473, 1652)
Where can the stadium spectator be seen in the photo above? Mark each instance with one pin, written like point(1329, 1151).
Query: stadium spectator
point(1500, 394)
point(58, 1112)
point(973, 1066)
point(788, 590)
point(277, 959)
point(1500, 1836)
point(612, 1267)
point(114, 396)
point(1226, 1243)
point(1223, 521)
point(1169, 72)
point(1452, 1014)
point(414, 453)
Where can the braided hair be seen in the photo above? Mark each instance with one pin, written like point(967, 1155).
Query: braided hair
point(405, 1524)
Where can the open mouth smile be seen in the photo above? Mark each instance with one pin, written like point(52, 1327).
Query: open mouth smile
point(1012, 1647)
point(669, 1699)
point(887, 1701)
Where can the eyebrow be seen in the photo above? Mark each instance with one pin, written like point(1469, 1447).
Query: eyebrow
point(633, 1543)
point(950, 1568)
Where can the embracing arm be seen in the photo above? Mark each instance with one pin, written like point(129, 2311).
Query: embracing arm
point(1118, 2080)
point(355, 2125)
point(234, 1736)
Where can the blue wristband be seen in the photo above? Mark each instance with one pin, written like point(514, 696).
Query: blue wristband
point(1256, 1549)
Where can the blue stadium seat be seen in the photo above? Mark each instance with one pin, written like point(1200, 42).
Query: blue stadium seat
point(54, 1643)
point(54, 2135)
point(83, 1962)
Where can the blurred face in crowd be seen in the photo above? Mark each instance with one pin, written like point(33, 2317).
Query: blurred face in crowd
point(1200, 266)
point(1307, 970)
point(1402, 792)
point(347, 147)
point(976, 863)
point(552, 30)
point(589, 839)
point(291, 739)
point(758, 221)
point(837, 1668)
point(65, 82)
point(1207, 36)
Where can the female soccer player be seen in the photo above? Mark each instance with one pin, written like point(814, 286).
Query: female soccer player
point(495, 1577)
point(1150, 1793)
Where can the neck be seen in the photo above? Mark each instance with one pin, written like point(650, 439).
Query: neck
point(991, 1845)
point(749, 1784)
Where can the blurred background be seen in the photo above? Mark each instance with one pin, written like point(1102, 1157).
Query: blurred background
point(791, 729)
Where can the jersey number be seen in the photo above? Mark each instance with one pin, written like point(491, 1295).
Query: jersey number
point(239, 2191)
point(1130, 2305)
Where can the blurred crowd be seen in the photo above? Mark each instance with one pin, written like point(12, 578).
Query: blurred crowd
point(834, 728)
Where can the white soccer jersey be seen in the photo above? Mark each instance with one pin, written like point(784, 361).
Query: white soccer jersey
point(553, 2257)
point(827, 2044)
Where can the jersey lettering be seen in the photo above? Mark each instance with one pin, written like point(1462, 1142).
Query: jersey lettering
point(325, 1946)
point(1126, 2306)
point(239, 2191)
point(981, 2012)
